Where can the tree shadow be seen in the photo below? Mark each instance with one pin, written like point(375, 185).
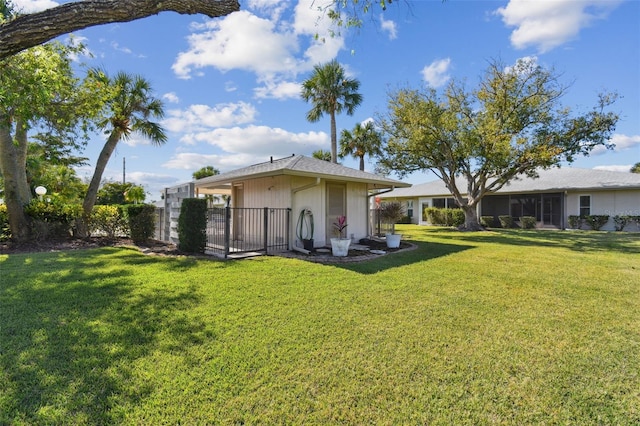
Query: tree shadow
point(70, 335)
point(425, 251)
point(583, 241)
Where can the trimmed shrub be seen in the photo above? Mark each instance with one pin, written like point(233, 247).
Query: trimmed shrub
point(141, 219)
point(596, 221)
point(444, 217)
point(528, 222)
point(108, 220)
point(5, 233)
point(192, 225)
point(575, 222)
point(506, 221)
point(52, 218)
point(621, 221)
point(487, 221)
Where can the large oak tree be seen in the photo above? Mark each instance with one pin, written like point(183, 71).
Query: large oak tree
point(477, 141)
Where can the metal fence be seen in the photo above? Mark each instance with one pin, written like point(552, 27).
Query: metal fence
point(236, 230)
point(378, 227)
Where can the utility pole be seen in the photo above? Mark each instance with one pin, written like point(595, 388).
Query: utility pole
point(123, 170)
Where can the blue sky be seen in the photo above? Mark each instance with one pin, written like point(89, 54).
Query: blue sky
point(231, 85)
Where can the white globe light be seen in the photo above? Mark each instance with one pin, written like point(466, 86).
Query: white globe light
point(41, 190)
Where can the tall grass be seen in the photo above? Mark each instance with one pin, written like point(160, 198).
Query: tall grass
point(508, 327)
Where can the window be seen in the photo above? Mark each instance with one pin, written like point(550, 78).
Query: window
point(585, 205)
point(442, 203)
point(410, 208)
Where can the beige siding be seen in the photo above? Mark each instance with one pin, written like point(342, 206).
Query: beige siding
point(268, 192)
point(308, 195)
point(357, 211)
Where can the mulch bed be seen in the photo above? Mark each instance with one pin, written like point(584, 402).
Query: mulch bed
point(53, 245)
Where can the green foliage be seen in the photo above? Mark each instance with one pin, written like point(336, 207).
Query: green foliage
point(5, 233)
point(141, 220)
point(362, 140)
point(487, 221)
point(52, 217)
point(506, 221)
point(321, 154)
point(575, 221)
point(596, 221)
point(635, 168)
point(119, 193)
point(444, 217)
point(528, 222)
point(512, 124)
point(192, 225)
point(331, 91)
point(108, 220)
point(206, 171)
point(621, 221)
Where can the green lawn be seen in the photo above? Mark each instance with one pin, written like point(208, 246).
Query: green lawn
point(508, 327)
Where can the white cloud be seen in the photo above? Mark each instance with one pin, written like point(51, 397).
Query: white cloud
point(171, 97)
point(278, 90)
point(224, 163)
point(549, 24)
point(272, 48)
point(621, 142)
point(261, 140)
point(615, 168)
point(624, 142)
point(436, 74)
point(203, 117)
point(30, 6)
point(389, 27)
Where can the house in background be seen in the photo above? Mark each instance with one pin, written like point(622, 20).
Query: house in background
point(298, 183)
point(551, 198)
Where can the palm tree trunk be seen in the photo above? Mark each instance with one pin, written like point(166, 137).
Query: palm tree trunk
point(94, 185)
point(334, 139)
point(362, 163)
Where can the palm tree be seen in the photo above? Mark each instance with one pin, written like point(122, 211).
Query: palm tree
point(331, 92)
point(635, 168)
point(362, 140)
point(130, 109)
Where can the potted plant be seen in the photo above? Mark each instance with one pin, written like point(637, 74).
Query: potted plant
point(305, 229)
point(340, 245)
point(392, 212)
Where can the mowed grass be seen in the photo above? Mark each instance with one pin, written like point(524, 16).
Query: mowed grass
point(498, 327)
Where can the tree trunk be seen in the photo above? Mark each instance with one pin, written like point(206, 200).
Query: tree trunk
point(471, 222)
point(94, 185)
point(16, 191)
point(334, 138)
point(36, 28)
point(362, 163)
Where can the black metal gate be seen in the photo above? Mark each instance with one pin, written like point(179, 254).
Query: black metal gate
point(242, 230)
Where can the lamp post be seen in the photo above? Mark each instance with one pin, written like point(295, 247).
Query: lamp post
point(41, 191)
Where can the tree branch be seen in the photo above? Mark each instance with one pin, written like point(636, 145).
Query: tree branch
point(36, 28)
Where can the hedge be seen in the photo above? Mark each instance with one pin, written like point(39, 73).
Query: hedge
point(192, 225)
point(141, 219)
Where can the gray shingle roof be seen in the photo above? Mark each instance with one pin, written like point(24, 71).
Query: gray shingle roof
point(552, 180)
point(299, 165)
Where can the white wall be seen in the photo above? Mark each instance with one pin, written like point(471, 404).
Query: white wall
point(612, 203)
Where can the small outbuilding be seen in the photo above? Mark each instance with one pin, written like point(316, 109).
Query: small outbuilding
point(291, 199)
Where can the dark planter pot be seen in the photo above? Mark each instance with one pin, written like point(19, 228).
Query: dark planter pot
point(308, 244)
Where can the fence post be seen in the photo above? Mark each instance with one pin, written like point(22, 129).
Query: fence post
point(287, 228)
point(227, 230)
point(266, 229)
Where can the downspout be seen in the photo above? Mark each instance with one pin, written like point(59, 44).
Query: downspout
point(369, 226)
point(295, 191)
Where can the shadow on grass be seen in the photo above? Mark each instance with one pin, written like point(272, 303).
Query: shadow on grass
point(584, 241)
point(72, 327)
point(424, 251)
